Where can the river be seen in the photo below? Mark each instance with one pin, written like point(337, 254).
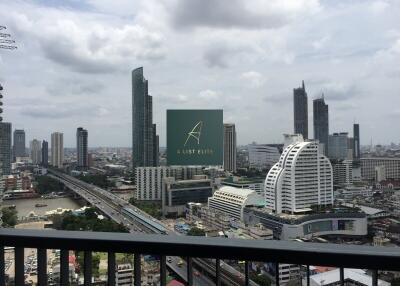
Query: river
point(25, 206)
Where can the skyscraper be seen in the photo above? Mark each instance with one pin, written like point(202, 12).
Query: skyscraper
point(229, 147)
point(321, 122)
point(57, 149)
point(300, 110)
point(356, 142)
point(36, 151)
point(5, 148)
point(19, 144)
point(82, 148)
point(5, 142)
point(144, 138)
point(45, 153)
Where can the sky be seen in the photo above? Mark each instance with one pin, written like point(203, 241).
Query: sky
point(74, 60)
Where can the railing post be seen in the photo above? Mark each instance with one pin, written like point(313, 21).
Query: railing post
point(163, 270)
point(277, 274)
point(189, 271)
point(111, 269)
point(374, 277)
point(137, 270)
point(42, 266)
point(308, 275)
point(64, 267)
point(87, 270)
point(341, 276)
point(19, 266)
point(217, 272)
point(2, 267)
point(246, 273)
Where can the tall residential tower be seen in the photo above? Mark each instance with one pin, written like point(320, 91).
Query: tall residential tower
point(144, 138)
point(230, 147)
point(300, 111)
point(57, 149)
point(45, 153)
point(321, 122)
point(5, 142)
point(36, 151)
point(82, 148)
point(19, 144)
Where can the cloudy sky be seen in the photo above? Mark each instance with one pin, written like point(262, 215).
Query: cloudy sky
point(72, 67)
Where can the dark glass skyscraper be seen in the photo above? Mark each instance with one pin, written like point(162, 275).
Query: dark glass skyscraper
point(321, 122)
point(300, 110)
point(19, 143)
point(144, 138)
point(356, 142)
point(82, 148)
point(5, 142)
point(45, 153)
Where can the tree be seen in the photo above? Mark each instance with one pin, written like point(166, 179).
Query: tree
point(98, 180)
point(260, 279)
point(46, 184)
point(10, 217)
point(152, 208)
point(195, 231)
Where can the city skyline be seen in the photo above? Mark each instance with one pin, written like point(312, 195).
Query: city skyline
point(262, 70)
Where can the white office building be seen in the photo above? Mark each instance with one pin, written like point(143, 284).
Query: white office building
point(302, 178)
point(149, 179)
point(263, 156)
point(232, 201)
point(391, 168)
point(57, 149)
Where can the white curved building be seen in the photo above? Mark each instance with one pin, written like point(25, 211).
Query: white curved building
point(302, 178)
point(232, 201)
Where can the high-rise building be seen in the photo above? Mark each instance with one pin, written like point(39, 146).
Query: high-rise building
point(356, 142)
point(57, 149)
point(300, 110)
point(339, 146)
point(19, 144)
point(321, 122)
point(36, 151)
point(45, 153)
point(5, 142)
point(144, 138)
point(5, 148)
point(229, 147)
point(263, 156)
point(82, 148)
point(302, 178)
point(149, 179)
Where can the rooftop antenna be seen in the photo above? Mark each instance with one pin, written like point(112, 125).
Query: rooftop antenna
point(5, 43)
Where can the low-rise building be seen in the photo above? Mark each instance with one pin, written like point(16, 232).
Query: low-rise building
point(232, 201)
point(177, 193)
point(149, 180)
point(124, 275)
point(351, 277)
point(286, 227)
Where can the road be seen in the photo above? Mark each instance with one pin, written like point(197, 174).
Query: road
point(111, 205)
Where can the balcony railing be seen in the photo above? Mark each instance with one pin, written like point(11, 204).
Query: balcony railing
point(342, 256)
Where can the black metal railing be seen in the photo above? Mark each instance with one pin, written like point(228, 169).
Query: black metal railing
point(342, 256)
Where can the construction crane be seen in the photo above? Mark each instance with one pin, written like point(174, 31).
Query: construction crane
point(6, 44)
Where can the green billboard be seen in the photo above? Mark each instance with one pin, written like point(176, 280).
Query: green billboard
point(195, 137)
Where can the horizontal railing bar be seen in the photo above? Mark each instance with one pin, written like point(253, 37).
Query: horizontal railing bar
point(348, 256)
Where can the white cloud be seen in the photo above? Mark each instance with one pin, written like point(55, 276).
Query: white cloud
point(209, 94)
point(255, 79)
